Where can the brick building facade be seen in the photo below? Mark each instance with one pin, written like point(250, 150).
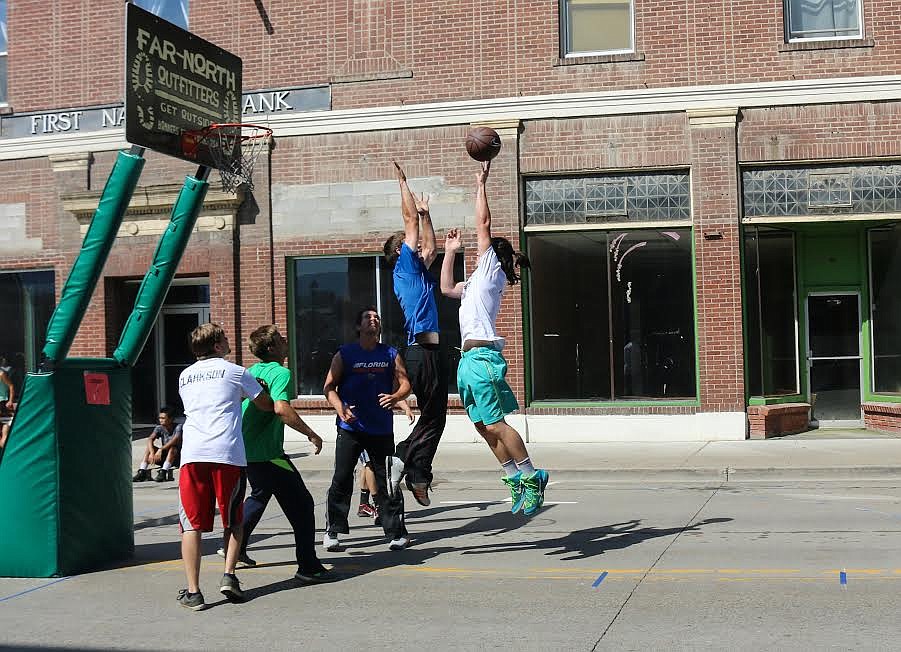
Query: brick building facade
point(709, 205)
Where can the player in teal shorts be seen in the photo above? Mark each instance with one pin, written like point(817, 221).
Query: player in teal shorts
point(481, 375)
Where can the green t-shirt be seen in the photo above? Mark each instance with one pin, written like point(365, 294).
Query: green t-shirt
point(264, 432)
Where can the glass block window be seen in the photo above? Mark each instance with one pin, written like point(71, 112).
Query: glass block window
point(621, 198)
point(800, 192)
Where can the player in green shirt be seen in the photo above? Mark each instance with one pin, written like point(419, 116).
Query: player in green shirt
point(269, 470)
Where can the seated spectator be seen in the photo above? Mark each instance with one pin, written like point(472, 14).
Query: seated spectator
point(7, 389)
point(163, 448)
point(7, 400)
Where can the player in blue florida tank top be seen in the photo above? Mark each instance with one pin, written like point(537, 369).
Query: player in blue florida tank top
point(365, 381)
point(367, 375)
point(410, 253)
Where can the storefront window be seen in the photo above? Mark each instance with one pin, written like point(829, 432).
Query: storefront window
point(885, 319)
point(328, 293)
point(772, 360)
point(28, 300)
point(612, 315)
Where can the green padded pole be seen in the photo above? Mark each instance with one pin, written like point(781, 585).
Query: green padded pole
point(98, 241)
point(156, 282)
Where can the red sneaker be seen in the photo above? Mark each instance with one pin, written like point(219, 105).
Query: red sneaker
point(366, 511)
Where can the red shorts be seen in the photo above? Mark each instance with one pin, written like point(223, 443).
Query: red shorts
point(201, 485)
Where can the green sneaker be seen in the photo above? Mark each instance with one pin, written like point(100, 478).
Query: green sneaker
point(533, 491)
point(516, 492)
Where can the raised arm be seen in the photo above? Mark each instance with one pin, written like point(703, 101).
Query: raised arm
point(483, 214)
point(408, 209)
point(428, 246)
point(452, 245)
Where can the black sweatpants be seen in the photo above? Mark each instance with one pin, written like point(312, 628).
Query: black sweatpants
point(267, 480)
point(348, 447)
point(427, 369)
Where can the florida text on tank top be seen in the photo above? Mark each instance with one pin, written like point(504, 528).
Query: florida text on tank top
point(366, 375)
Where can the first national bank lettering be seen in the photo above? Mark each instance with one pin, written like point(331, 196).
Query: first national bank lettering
point(259, 104)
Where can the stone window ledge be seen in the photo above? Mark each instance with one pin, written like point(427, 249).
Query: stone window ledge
point(803, 46)
point(600, 58)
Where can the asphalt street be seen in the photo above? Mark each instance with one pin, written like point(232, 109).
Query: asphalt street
point(618, 566)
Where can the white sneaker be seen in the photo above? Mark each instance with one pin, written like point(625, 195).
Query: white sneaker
point(394, 471)
point(399, 544)
point(330, 542)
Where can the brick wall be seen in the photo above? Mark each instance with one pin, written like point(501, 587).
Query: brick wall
point(717, 239)
point(423, 153)
point(397, 52)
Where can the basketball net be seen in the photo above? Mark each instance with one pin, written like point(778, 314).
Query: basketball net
point(234, 148)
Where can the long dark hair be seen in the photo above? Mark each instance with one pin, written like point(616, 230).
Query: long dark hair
point(509, 258)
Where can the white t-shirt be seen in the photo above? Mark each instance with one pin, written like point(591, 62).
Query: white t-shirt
point(481, 300)
point(211, 391)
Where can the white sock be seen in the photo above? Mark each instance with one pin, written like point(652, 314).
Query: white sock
point(526, 466)
point(144, 466)
point(509, 468)
point(166, 465)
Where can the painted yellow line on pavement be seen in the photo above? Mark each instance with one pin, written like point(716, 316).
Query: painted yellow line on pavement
point(718, 574)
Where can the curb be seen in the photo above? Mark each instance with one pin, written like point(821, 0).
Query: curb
point(686, 475)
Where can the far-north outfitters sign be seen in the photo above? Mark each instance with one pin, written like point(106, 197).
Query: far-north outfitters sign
point(175, 83)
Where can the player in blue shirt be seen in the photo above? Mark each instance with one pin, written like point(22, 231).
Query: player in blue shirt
point(411, 252)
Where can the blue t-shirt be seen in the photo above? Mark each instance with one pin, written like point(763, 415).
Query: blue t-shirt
point(366, 375)
point(414, 287)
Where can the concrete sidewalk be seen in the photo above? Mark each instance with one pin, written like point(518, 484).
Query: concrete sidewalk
point(817, 456)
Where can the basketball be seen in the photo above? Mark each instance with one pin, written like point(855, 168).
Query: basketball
point(483, 143)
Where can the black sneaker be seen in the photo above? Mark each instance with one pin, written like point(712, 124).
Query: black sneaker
point(163, 476)
point(230, 587)
point(193, 601)
point(320, 576)
point(143, 475)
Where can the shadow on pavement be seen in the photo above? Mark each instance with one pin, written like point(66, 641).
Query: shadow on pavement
point(590, 542)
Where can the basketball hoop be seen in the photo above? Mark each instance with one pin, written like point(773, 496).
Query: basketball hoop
point(234, 147)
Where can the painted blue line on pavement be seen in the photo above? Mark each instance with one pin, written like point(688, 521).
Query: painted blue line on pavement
point(843, 578)
point(599, 580)
point(42, 586)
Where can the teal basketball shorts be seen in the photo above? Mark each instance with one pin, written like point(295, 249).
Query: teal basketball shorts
point(483, 389)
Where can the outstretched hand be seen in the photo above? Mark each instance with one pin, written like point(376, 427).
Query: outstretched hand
point(316, 440)
point(346, 413)
point(482, 176)
point(452, 241)
point(399, 172)
point(422, 203)
point(387, 401)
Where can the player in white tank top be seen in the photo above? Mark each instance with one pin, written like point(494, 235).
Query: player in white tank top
point(483, 389)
